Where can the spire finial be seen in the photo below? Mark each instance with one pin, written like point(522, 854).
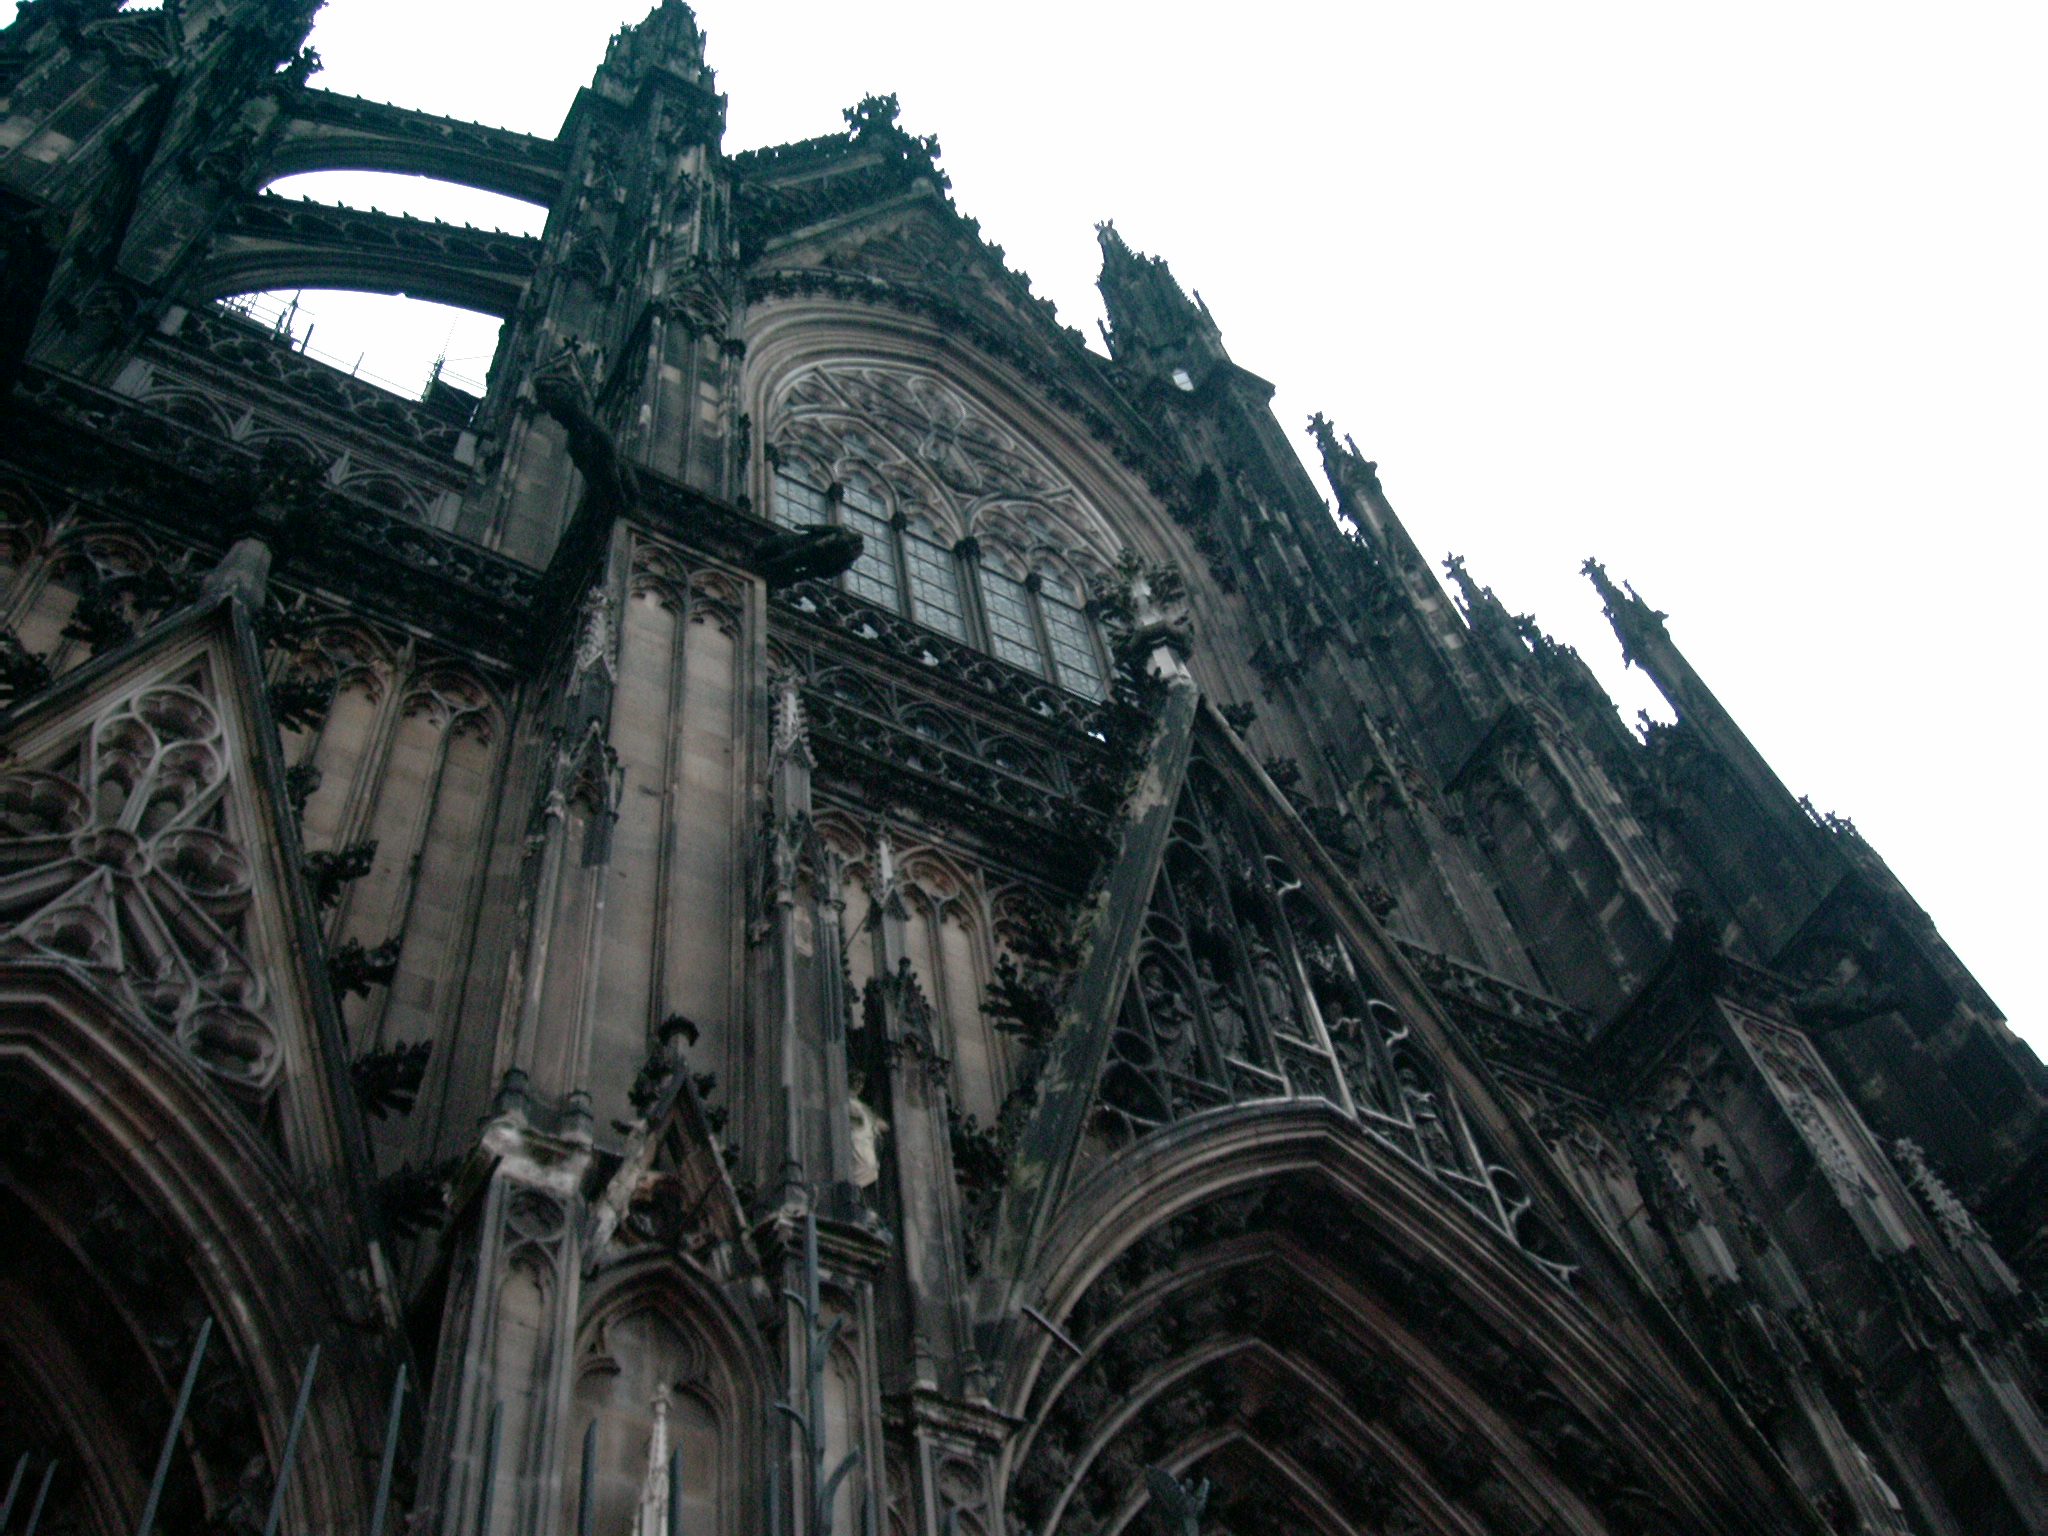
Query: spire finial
point(668, 38)
point(1349, 471)
point(1153, 324)
point(1634, 620)
point(652, 1516)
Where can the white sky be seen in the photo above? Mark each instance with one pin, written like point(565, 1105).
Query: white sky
point(1745, 299)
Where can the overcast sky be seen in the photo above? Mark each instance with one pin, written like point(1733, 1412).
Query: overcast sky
point(1745, 299)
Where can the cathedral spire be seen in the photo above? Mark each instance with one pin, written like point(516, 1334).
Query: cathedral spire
point(1349, 470)
point(1638, 626)
point(1491, 623)
point(1153, 325)
point(1356, 480)
point(668, 39)
point(1647, 644)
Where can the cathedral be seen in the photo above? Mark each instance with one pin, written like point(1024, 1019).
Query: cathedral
point(831, 913)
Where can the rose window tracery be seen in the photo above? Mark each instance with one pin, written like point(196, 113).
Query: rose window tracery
point(116, 860)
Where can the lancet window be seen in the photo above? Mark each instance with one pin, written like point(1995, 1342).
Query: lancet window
point(969, 590)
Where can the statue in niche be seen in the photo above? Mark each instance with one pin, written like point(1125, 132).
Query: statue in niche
point(1224, 1013)
point(866, 1130)
point(1427, 1113)
point(1347, 1036)
point(1172, 1020)
point(1271, 980)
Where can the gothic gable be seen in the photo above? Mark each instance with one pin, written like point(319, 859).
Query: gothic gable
point(1251, 983)
point(144, 850)
point(1257, 975)
point(672, 1191)
point(913, 250)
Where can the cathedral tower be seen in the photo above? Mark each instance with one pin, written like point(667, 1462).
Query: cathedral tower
point(832, 912)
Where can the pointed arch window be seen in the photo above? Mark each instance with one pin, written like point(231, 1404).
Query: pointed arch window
point(1037, 621)
point(1070, 636)
point(937, 596)
point(1012, 634)
point(874, 575)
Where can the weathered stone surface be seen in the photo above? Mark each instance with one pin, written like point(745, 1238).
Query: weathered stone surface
point(835, 912)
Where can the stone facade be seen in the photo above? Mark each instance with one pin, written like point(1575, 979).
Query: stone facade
point(830, 912)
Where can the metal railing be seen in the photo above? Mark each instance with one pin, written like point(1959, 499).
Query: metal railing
point(146, 1526)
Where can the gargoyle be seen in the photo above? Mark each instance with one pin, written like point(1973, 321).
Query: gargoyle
point(1835, 1005)
point(805, 554)
point(1180, 1504)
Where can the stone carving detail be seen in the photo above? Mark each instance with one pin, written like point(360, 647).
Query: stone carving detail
point(1957, 1225)
point(1802, 1088)
point(596, 639)
point(957, 663)
point(921, 750)
point(1961, 1230)
point(222, 360)
point(1244, 988)
point(117, 859)
point(446, 581)
point(943, 458)
point(1842, 1169)
point(1511, 1025)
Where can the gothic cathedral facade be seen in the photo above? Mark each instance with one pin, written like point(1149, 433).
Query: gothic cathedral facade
point(830, 912)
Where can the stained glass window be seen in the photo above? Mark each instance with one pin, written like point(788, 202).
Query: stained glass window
point(1073, 646)
point(799, 504)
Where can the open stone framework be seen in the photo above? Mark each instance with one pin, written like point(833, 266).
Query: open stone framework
point(829, 912)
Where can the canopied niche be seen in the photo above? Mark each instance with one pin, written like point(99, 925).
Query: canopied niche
point(661, 1369)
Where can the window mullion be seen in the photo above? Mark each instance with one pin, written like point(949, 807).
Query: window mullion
point(1034, 586)
point(906, 589)
point(1098, 646)
point(967, 554)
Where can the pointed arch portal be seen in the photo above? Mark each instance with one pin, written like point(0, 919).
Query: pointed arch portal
point(1265, 1299)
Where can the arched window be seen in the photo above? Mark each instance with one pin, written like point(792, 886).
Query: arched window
point(874, 575)
point(1034, 619)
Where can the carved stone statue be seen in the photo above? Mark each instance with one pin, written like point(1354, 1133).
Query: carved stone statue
point(650, 1517)
point(867, 1130)
point(1272, 984)
point(1223, 1010)
point(806, 554)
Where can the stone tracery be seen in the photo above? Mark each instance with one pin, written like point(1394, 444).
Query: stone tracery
point(120, 862)
point(690, 896)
